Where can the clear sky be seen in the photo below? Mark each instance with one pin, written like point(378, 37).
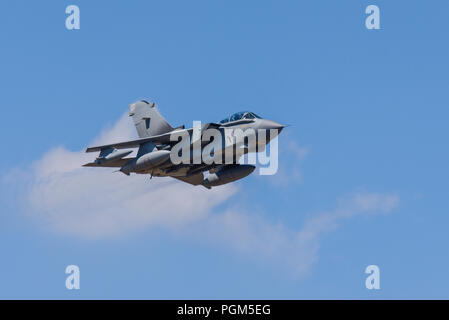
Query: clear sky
point(363, 175)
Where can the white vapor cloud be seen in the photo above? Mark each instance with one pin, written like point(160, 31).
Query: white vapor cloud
point(295, 250)
point(97, 203)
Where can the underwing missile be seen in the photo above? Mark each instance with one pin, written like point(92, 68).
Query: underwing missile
point(114, 155)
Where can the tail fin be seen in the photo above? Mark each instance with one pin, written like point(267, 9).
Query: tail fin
point(148, 120)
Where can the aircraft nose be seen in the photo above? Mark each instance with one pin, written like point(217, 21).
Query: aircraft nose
point(269, 124)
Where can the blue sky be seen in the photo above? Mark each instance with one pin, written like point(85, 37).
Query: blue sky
point(363, 166)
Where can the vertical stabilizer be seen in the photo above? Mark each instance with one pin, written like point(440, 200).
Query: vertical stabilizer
point(148, 121)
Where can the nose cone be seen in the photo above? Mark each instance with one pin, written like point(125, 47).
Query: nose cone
point(269, 124)
point(271, 128)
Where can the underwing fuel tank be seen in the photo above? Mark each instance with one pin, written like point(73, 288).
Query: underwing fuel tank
point(146, 161)
point(228, 174)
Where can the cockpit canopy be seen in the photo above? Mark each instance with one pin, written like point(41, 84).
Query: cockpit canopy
point(241, 115)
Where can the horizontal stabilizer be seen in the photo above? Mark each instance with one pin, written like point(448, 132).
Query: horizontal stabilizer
point(159, 139)
point(112, 164)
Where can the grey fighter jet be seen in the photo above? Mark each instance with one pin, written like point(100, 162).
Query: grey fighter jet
point(159, 144)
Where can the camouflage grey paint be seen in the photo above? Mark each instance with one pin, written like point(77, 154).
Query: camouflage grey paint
point(154, 146)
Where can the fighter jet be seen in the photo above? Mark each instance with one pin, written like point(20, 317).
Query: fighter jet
point(159, 144)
